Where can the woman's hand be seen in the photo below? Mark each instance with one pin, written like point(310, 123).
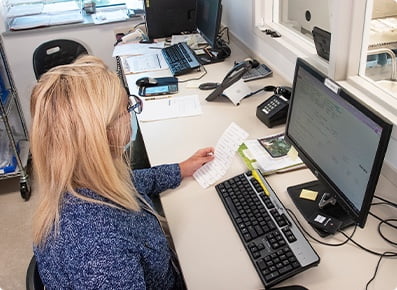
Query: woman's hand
point(198, 159)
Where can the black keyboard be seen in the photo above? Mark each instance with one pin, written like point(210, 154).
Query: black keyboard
point(180, 58)
point(276, 246)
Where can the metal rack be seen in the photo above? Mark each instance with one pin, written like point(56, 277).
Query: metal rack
point(14, 143)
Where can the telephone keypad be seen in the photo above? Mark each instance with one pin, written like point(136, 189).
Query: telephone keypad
point(271, 106)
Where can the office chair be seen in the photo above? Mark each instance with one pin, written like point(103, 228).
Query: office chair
point(55, 52)
point(33, 280)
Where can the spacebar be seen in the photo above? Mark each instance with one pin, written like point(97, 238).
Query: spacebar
point(231, 206)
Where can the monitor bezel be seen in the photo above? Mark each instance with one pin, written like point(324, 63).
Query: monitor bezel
point(359, 216)
point(213, 39)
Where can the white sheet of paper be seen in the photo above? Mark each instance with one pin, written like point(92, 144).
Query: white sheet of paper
point(134, 48)
point(146, 62)
point(225, 150)
point(160, 108)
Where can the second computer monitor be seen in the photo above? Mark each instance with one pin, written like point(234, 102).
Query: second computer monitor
point(167, 17)
point(208, 20)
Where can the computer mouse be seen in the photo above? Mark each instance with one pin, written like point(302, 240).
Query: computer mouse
point(146, 82)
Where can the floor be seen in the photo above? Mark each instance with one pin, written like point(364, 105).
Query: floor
point(15, 234)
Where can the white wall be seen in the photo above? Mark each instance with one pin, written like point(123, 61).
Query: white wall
point(239, 17)
point(19, 47)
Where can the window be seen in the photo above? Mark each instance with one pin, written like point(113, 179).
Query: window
point(360, 59)
point(363, 34)
point(28, 14)
point(28, 7)
point(379, 56)
point(302, 16)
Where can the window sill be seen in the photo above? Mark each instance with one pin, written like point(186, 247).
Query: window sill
point(373, 96)
point(291, 45)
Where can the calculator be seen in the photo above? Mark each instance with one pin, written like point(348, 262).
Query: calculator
point(261, 71)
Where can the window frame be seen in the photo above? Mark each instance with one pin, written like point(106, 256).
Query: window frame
point(349, 34)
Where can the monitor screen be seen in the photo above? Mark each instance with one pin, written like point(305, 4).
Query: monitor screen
point(340, 140)
point(208, 20)
point(165, 18)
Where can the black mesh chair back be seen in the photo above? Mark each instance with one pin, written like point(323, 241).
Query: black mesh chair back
point(33, 280)
point(55, 52)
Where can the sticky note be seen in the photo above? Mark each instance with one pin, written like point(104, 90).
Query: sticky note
point(308, 194)
point(292, 153)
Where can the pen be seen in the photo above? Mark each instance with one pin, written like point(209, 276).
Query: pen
point(257, 177)
point(157, 98)
point(154, 47)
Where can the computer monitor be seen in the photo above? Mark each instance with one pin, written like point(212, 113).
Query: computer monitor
point(341, 141)
point(167, 17)
point(208, 20)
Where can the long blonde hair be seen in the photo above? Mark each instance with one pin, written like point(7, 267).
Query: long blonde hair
point(73, 106)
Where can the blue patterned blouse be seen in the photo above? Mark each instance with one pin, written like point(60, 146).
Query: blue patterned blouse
point(100, 247)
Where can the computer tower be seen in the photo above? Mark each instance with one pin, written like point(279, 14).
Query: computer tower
point(167, 17)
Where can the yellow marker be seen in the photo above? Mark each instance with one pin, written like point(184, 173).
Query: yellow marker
point(255, 174)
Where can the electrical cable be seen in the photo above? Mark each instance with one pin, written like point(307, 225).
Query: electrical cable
point(195, 79)
point(386, 201)
point(382, 234)
point(221, 32)
point(317, 240)
point(385, 221)
point(376, 268)
point(386, 254)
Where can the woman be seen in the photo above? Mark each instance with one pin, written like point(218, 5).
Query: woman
point(94, 227)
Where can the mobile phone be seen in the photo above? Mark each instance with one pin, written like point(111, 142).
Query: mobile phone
point(158, 90)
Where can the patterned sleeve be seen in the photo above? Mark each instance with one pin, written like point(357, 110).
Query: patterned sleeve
point(154, 180)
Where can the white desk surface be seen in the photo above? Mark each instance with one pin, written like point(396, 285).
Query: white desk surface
point(209, 249)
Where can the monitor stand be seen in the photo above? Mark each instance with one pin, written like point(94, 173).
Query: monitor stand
point(323, 204)
point(210, 56)
point(213, 55)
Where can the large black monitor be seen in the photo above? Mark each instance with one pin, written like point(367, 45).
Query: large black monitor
point(208, 20)
point(167, 17)
point(341, 141)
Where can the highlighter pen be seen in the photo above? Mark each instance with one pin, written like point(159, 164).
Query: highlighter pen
point(255, 174)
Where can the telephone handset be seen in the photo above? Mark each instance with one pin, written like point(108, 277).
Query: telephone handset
point(274, 110)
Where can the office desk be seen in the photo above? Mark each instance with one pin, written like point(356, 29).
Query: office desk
point(209, 249)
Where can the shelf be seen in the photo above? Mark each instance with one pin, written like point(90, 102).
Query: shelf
point(6, 97)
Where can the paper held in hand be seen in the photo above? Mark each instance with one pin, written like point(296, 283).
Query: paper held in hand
point(225, 150)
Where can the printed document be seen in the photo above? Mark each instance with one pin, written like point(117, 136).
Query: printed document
point(145, 62)
point(225, 150)
point(168, 107)
point(134, 48)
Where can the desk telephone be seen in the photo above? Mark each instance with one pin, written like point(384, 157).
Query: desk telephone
point(274, 110)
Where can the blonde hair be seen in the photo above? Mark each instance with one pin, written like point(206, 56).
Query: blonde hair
point(73, 106)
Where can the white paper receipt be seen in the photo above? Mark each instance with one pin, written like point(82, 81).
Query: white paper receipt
point(225, 150)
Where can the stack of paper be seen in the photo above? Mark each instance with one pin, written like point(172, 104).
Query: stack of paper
point(270, 154)
point(49, 14)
